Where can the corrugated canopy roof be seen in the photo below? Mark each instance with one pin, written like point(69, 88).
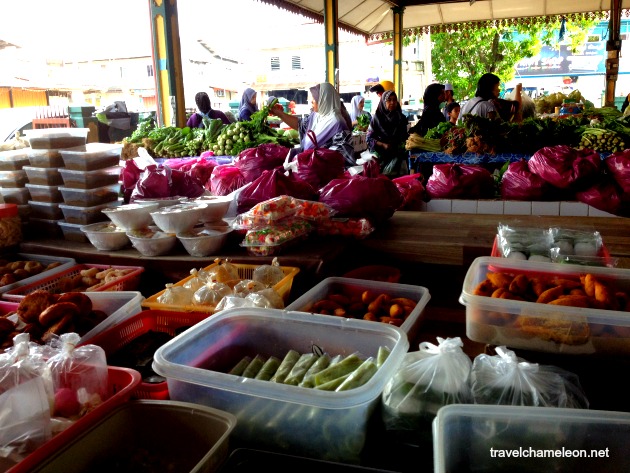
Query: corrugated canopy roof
point(374, 18)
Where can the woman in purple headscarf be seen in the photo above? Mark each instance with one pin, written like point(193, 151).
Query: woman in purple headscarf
point(248, 105)
point(204, 110)
point(326, 120)
point(387, 134)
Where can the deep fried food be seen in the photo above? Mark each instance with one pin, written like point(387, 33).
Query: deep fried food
point(550, 295)
point(484, 288)
point(560, 331)
point(34, 304)
point(57, 311)
point(571, 301)
point(82, 301)
point(519, 285)
point(500, 279)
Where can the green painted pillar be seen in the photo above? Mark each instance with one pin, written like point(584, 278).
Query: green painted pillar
point(332, 41)
point(398, 45)
point(167, 63)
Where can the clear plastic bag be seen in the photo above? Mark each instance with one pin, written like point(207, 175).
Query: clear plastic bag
point(176, 295)
point(268, 274)
point(247, 286)
point(211, 294)
point(232, 302)
point(505, 379)
point(79, 376)
point(524, 242)
point(275, 299)
point(194, 283)
point(223, 272)
point(428, 379)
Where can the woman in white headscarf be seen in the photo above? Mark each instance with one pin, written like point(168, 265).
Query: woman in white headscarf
point(356, 109)
point(325, 121)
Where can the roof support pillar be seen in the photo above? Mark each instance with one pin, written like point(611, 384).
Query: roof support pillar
point(167, 63)
point(613, 48)
point(398, 45)
point(331, 20)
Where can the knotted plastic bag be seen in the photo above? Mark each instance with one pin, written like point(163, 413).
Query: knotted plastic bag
point(176, 295)
point(505, 379)
point(565, 167)
point(265, 157)
point(519, 183)
point(211, 294)
point(460, 181)
point(412, 190)
point(272, 184)
point(618, 166)
point(428, 379)
point(268, 274)
point(604, 195)
point(318, 166)
point(225, 179)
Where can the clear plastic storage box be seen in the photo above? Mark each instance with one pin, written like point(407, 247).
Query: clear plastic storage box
point(43, 226)
point(90, 179)
point(86, 215)
point(43, 176)
point(542, 326)
point(50, 194)
point(72, 231)
point(15, 195)
point(55, 138)
point(45, 210)
point(90, 197)
point(16, 178)
point(476, 438)
point(303, 421)
point(14, 159)
point(92, 156)
point(45, 158)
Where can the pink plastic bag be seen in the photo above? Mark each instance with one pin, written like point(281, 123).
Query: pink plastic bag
point(129, 176)
point(154, 182)
point(272, 184)
point(226, 178)
point(605, 195)
point(460, 181)
point(362, 197)
point(318, 166)
point(618, 165)
point(412, 191)
point(519, 183)
point(253, 161)
point(565, 167)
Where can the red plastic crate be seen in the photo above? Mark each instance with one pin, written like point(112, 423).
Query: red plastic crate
point(128, 282)
point(122, 334)
point(121, 383)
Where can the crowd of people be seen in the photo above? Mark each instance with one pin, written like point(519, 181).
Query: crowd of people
point(330, 123)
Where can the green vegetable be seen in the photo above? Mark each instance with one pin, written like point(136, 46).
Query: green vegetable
point(289, 360)
point(345, 366)
point(360, 376)
point(254, 367)
point(321, 363)
point(382, 355)
point(300, 368)
point(268, 369)
point(238, 369)
point(333, 384)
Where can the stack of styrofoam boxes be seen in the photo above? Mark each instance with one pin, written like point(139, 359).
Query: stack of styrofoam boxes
point(90, 184)
point(42, 190)
point(13, 180)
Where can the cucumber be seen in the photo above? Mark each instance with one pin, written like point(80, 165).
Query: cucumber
point(345, 366)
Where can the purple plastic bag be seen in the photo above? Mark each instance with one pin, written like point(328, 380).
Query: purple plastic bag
point(604, 195)
point(265, 157)
point(318, 166)
point(226, 178)
point(129, 176)
point(412, 191)
point(272, 184)
point(363, 197)
point(154, 182)
point(519, 183)
point(618, 165)
point(460, 181)
point(185, 185)
point(565, 167)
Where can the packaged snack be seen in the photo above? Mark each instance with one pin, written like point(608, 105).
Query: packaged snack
point(350, 227)
point(274, 209)
point(312, 210)
point(272, 239)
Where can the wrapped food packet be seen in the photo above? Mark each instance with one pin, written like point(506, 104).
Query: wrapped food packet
point(194, 283)
point(427, 379)
point(576, 242)
point(247, 286)
point(79, 376)
point(223, 272)
point(26, 400)
point(524, 242)
point(232, 302)
point(268, 274)
point(275, 299)
point(211, 294)
point(176, 295)
point(506, 379)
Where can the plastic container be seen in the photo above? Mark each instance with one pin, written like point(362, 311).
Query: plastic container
point(45, 158)
point(563, 329)
point(148, 244)
point(129, 329)
point(479, 437)
point(128, 282)
point(46, 210)
point(15, 195)
point(163, 434)
point(216, 208)
point(48, 194)
point(245, 271)
point(121, 382)
point(105, 236)
point(87, 215)
point(77, 179)
point(178, 218)
point(355, 287)
point(204, 242)
point(326, 424)
point(24, 211)
point(72, 231)
point(13, 178)
point(131, 216)
point(45, 260)
point(55, 138)
point(90, 197)
point(91, 156)
point(43, 176)
point(10, 226)
point(14, 159)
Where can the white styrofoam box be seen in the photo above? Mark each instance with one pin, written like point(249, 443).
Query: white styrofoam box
point(491, 207)
point(593, 212)
point(119, 305)
point(355, 287)
point(440, 205)
point(44, 260)
point(463, 206)
point(303, 421)
point(545, 208)
point(515, 207)
point(573, 209)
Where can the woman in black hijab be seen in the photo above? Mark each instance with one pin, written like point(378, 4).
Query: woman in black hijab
point(432, 116)
point(387, 134)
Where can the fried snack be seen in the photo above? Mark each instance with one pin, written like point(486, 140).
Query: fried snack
point(568, 284)
point(83, 302)
point(61, 326)
point(550, 295)
point(538, 285)
point(52, 265)
point(500, 279)
point(33, 267)
point(34, 304)
point(588, 282)
point(56, 312)
point(555, 330)
point(604, 295)
point(519, 285)
point(8, 278)
point(89, 273)
point(571, 301)
point(484, 288)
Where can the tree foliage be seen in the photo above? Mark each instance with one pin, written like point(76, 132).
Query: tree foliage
point(461, 57)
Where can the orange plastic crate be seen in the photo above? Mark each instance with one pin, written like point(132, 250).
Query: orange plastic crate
point(122, 334)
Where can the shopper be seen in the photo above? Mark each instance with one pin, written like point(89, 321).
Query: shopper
point(204, 110)
point(487, 103)
point(356, 109)
point(432, 116)
point(387, 134)
point(248, 105)
point(448, 98)
point(452, 112)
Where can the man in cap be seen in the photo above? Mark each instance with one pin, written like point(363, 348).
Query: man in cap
point(448, 98)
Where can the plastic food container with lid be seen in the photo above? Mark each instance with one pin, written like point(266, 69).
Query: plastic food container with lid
point(91, 156)
point(304, 421)
point(86, 215)
point(15, 178)
point(15, 195)
point(45, 158)
point(43, 176)
point(90, 197)
point(49, 194)
point(14, 159)
point(77, 179)
point(56, 138)
point(47, 210)
point(10, 226)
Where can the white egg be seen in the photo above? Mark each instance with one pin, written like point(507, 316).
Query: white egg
point(566, 247)
point(517, 255)
point(584, 248)
point(541, 258)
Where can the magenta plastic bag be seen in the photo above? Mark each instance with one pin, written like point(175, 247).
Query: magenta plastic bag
point(202, 171)
point(154, 182)
point(272, 184)
point(226, 178)
point(253, 161)
point(519, 183)
point(604, 195)
point(565, 167)
point(185, 185)
point(129, 176)
point(460, 181)
point(412, 191)
point(318, 166)
point(618, 165)
point(363, 197)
